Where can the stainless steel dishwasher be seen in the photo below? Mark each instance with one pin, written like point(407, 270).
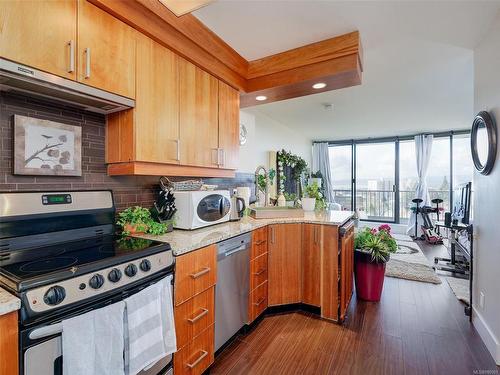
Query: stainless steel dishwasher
point(231, 290)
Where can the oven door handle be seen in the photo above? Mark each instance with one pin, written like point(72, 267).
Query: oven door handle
point(46, 331)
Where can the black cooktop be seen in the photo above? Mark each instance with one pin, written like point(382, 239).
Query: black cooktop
point(29, 268)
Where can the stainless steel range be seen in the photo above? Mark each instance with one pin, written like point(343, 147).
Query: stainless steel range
point(60, 256)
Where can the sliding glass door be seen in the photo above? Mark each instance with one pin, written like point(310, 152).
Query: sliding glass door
point(375, 181)
point(341, 170)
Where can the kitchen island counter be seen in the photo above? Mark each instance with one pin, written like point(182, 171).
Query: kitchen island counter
point(184, 241)
point(8, 302)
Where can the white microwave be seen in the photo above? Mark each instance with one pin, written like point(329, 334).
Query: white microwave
point(196, 209)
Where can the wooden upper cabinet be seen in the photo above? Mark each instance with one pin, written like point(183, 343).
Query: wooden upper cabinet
point(199, 127)
point(311, 264)
point(284, 263)
point(229, 126)
point(40, 34)
point(157, 103)
point(106, 50)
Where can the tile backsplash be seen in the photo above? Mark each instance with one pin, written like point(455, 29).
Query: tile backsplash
point(127, 190)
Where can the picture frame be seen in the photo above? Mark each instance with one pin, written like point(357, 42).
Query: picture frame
point(46, 148)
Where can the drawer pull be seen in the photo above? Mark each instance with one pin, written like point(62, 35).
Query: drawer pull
point(260, 272)
point(204, 353)
point(199, 316)
point(260, 242)
point(200, 273)
point(259, 302)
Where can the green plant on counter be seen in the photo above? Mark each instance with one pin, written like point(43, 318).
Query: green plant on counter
point(140, 219)
point(313, 191)
point(261, 179)
point(290, 196)
point(318, 174)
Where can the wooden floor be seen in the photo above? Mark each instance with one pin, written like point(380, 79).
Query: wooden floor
point(417, 328)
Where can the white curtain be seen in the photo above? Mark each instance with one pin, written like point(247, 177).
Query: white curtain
point(423, 149)
point(321, 162)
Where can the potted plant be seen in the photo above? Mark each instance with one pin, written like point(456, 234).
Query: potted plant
point(138, 220)
point(313, 198)
point(316, 178)
point(372, 251)
point(290, 198)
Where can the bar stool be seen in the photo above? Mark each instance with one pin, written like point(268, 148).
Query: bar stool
point(417, 201)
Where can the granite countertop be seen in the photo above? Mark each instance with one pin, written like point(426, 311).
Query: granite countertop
point(8, 302)
point(184, 241)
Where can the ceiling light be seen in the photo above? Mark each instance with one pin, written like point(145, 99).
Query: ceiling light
point(319, 85)
point(261, 98)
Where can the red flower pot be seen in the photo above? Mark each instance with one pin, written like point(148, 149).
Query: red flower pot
point(369, 276)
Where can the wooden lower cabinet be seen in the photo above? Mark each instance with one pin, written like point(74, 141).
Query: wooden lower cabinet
point(330, 273)
point(346, 263)
point(9, 344)
point(285, 264)
point(194, 310)
point(311, 263)
point(195, 272)
point(258, 301)
point(195, 357)
point(194, 316)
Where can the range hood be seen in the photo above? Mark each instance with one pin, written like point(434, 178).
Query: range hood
point(21, 78)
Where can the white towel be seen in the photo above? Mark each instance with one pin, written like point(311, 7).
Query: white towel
point(168, 316)
point(144, 343)
point(93, 342)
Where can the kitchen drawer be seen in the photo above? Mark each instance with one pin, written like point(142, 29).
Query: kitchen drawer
point(197, 356)
point(195, 272)
point(194, 316)
point(258, 301)
point(258, 271)
point(259, 242)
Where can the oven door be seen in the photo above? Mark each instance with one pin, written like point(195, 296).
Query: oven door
point(42, 344)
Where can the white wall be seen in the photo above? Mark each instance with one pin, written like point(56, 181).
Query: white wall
point(487, 198)
point(266, 134)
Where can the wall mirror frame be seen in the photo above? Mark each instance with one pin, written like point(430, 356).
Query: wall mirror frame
point(484, 150)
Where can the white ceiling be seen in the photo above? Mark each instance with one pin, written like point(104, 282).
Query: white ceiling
point(418, 60)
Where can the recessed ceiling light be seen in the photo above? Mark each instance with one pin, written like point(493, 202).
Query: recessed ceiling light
point(261, 98)
point(319, 85)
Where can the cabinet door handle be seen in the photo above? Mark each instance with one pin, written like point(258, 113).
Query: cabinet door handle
point(216, 150)
point(71, 67)
point(198, 317)
point(87, 63)
point(272, 235)
point(203, 353)
point(222, 157)
point(259, 302)
point(178, 143)
point(200, 273)
point(260, 272)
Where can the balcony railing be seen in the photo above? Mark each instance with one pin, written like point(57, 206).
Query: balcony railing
point(379, 204)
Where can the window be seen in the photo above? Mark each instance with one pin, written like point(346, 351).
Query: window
point(374, 190)
point(375, 185)
point(341, 169)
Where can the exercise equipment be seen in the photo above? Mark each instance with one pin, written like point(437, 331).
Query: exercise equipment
point(430, 235)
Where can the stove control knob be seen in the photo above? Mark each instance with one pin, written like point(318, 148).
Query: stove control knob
point(131, 270)
point(96, 281)
point(114, 275)
point(145, 265)
point(54, 295)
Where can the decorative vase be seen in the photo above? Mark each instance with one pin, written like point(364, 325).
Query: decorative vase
point(290, 203)
point(308, 204)
point(281, 200)
point(369, 276)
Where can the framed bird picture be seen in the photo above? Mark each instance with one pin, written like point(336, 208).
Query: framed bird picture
point(46, 148)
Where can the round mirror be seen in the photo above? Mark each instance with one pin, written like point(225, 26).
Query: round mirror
point(484, 142)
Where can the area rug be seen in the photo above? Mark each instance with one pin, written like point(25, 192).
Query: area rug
point(460, 288)
point(410, 263)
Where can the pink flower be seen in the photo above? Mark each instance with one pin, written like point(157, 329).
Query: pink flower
point(373, 231)
point(385, 228)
